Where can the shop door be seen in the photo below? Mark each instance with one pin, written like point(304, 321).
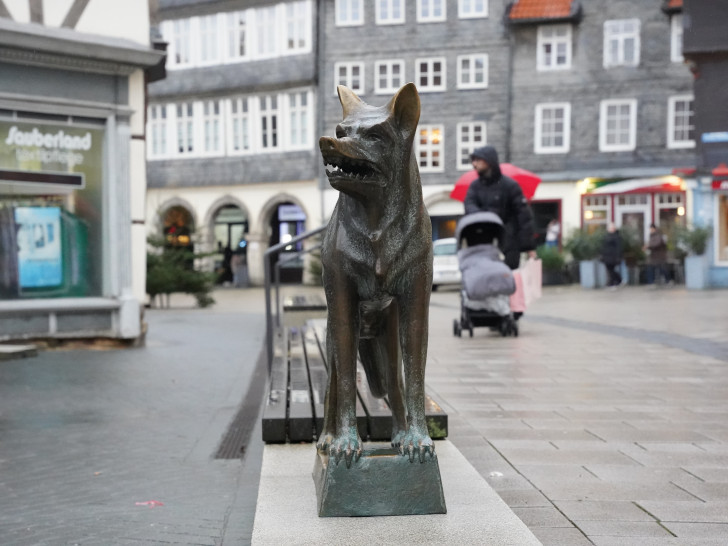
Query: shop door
point(633, 211)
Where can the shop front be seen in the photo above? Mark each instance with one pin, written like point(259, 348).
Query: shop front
point(634, 203)
point(70, 184)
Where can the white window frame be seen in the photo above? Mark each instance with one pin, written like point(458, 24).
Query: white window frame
point(348, 79)
point(232, 23)
point(387, 17)
point(189, 129)
point(300, 117)
point(676, 38)
point(466, 147)
point(426, 11)
point(267, 31)
point(430, 147)
point(604, 106)
point(157, 131)
point(345, 18)
point(241, 117)
point(548, 37)
point(614, 31)
point(472, 59)
point(429, 86)
point(391, 86)
point(672, 121)
point(272, 115)
point(297, 26)
point(212, 125)
point(541, 129)
point(472, 9)
point(208, 38)
point(178, 33)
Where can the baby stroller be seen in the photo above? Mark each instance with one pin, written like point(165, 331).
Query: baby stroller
point(487, 281)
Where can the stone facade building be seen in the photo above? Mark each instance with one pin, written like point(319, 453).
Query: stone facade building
point(593, 96)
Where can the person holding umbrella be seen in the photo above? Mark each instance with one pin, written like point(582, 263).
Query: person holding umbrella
point(494, 192)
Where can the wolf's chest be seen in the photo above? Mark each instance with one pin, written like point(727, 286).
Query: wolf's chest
point(376, 256)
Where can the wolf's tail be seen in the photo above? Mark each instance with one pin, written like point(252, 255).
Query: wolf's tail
point(374, 356)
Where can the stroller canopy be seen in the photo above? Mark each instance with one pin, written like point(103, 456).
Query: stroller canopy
point(478, 228)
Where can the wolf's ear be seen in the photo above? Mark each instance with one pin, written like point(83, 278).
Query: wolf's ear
point(350, 102)
point(405, 108)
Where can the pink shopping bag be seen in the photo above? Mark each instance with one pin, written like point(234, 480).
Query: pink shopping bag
point(518, 298)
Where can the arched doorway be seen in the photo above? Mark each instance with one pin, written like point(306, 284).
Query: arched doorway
point(230, 227)
point(178, 227)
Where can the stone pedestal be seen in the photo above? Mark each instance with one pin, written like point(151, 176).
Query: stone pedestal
point(381, 483)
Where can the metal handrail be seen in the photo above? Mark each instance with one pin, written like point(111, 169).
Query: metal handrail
point(267, 256)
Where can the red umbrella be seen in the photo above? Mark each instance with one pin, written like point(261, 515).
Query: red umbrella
point(526, 179)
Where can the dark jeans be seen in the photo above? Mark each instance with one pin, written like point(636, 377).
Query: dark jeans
point(613, 274)
point(655, 271)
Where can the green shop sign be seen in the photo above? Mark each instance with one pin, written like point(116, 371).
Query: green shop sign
point(33, 154)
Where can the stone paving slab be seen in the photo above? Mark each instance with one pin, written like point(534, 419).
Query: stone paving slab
point(604, 404)
point(475, 513)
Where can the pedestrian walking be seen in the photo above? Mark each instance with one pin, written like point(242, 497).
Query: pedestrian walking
point(552, 233)
point(495, 192)
point(612, 253)
point(657, 261)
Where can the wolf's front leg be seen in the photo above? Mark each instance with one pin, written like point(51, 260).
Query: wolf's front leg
point(413, 328)
point(342, 342)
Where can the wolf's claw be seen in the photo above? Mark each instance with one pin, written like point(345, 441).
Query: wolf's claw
point(415, 442)
point(347, 446)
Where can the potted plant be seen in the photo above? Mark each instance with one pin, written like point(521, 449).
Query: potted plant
point(633, 252)
point(694, 241)
point(552, 262)
point(585, 247)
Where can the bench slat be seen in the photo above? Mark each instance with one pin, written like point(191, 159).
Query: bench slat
point(274, 412)
point(319, 376)
point(300, 411)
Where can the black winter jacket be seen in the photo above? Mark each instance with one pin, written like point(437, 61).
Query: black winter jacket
point(495, 192)
point(612, 248)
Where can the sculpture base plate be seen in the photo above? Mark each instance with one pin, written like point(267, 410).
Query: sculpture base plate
point(381, 483)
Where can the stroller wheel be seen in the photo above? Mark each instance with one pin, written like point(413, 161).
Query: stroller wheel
point(456, 330)
point(504, 327)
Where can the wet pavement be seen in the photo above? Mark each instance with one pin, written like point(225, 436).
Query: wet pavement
point(605, 422)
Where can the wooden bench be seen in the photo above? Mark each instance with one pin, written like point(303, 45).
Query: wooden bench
point(300, 308)
point(297, 389)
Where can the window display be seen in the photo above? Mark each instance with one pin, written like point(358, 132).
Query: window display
point(51, 210)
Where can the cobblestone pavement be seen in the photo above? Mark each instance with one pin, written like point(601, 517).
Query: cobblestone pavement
point(85, 435)
point(605, 422)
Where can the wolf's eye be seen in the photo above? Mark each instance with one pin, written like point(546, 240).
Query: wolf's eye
point(375, 135)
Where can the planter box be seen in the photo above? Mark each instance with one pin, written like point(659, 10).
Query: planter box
point(696, 272)
point(553, 278)
point(592, 274)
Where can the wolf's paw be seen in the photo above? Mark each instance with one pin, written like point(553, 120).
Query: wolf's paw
point(398, 439)
point(324, 441)
point(347, 445)
point(417, 443)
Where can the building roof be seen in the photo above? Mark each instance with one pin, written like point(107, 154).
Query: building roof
point(540, 9)
point(536, 11)
point(672, 6)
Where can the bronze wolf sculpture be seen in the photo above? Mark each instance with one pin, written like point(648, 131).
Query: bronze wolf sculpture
point(377, 270)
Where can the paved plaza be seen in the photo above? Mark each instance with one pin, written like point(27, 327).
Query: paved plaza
point(605, 422)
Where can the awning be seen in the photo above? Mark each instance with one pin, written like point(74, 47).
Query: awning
point(658, 184)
